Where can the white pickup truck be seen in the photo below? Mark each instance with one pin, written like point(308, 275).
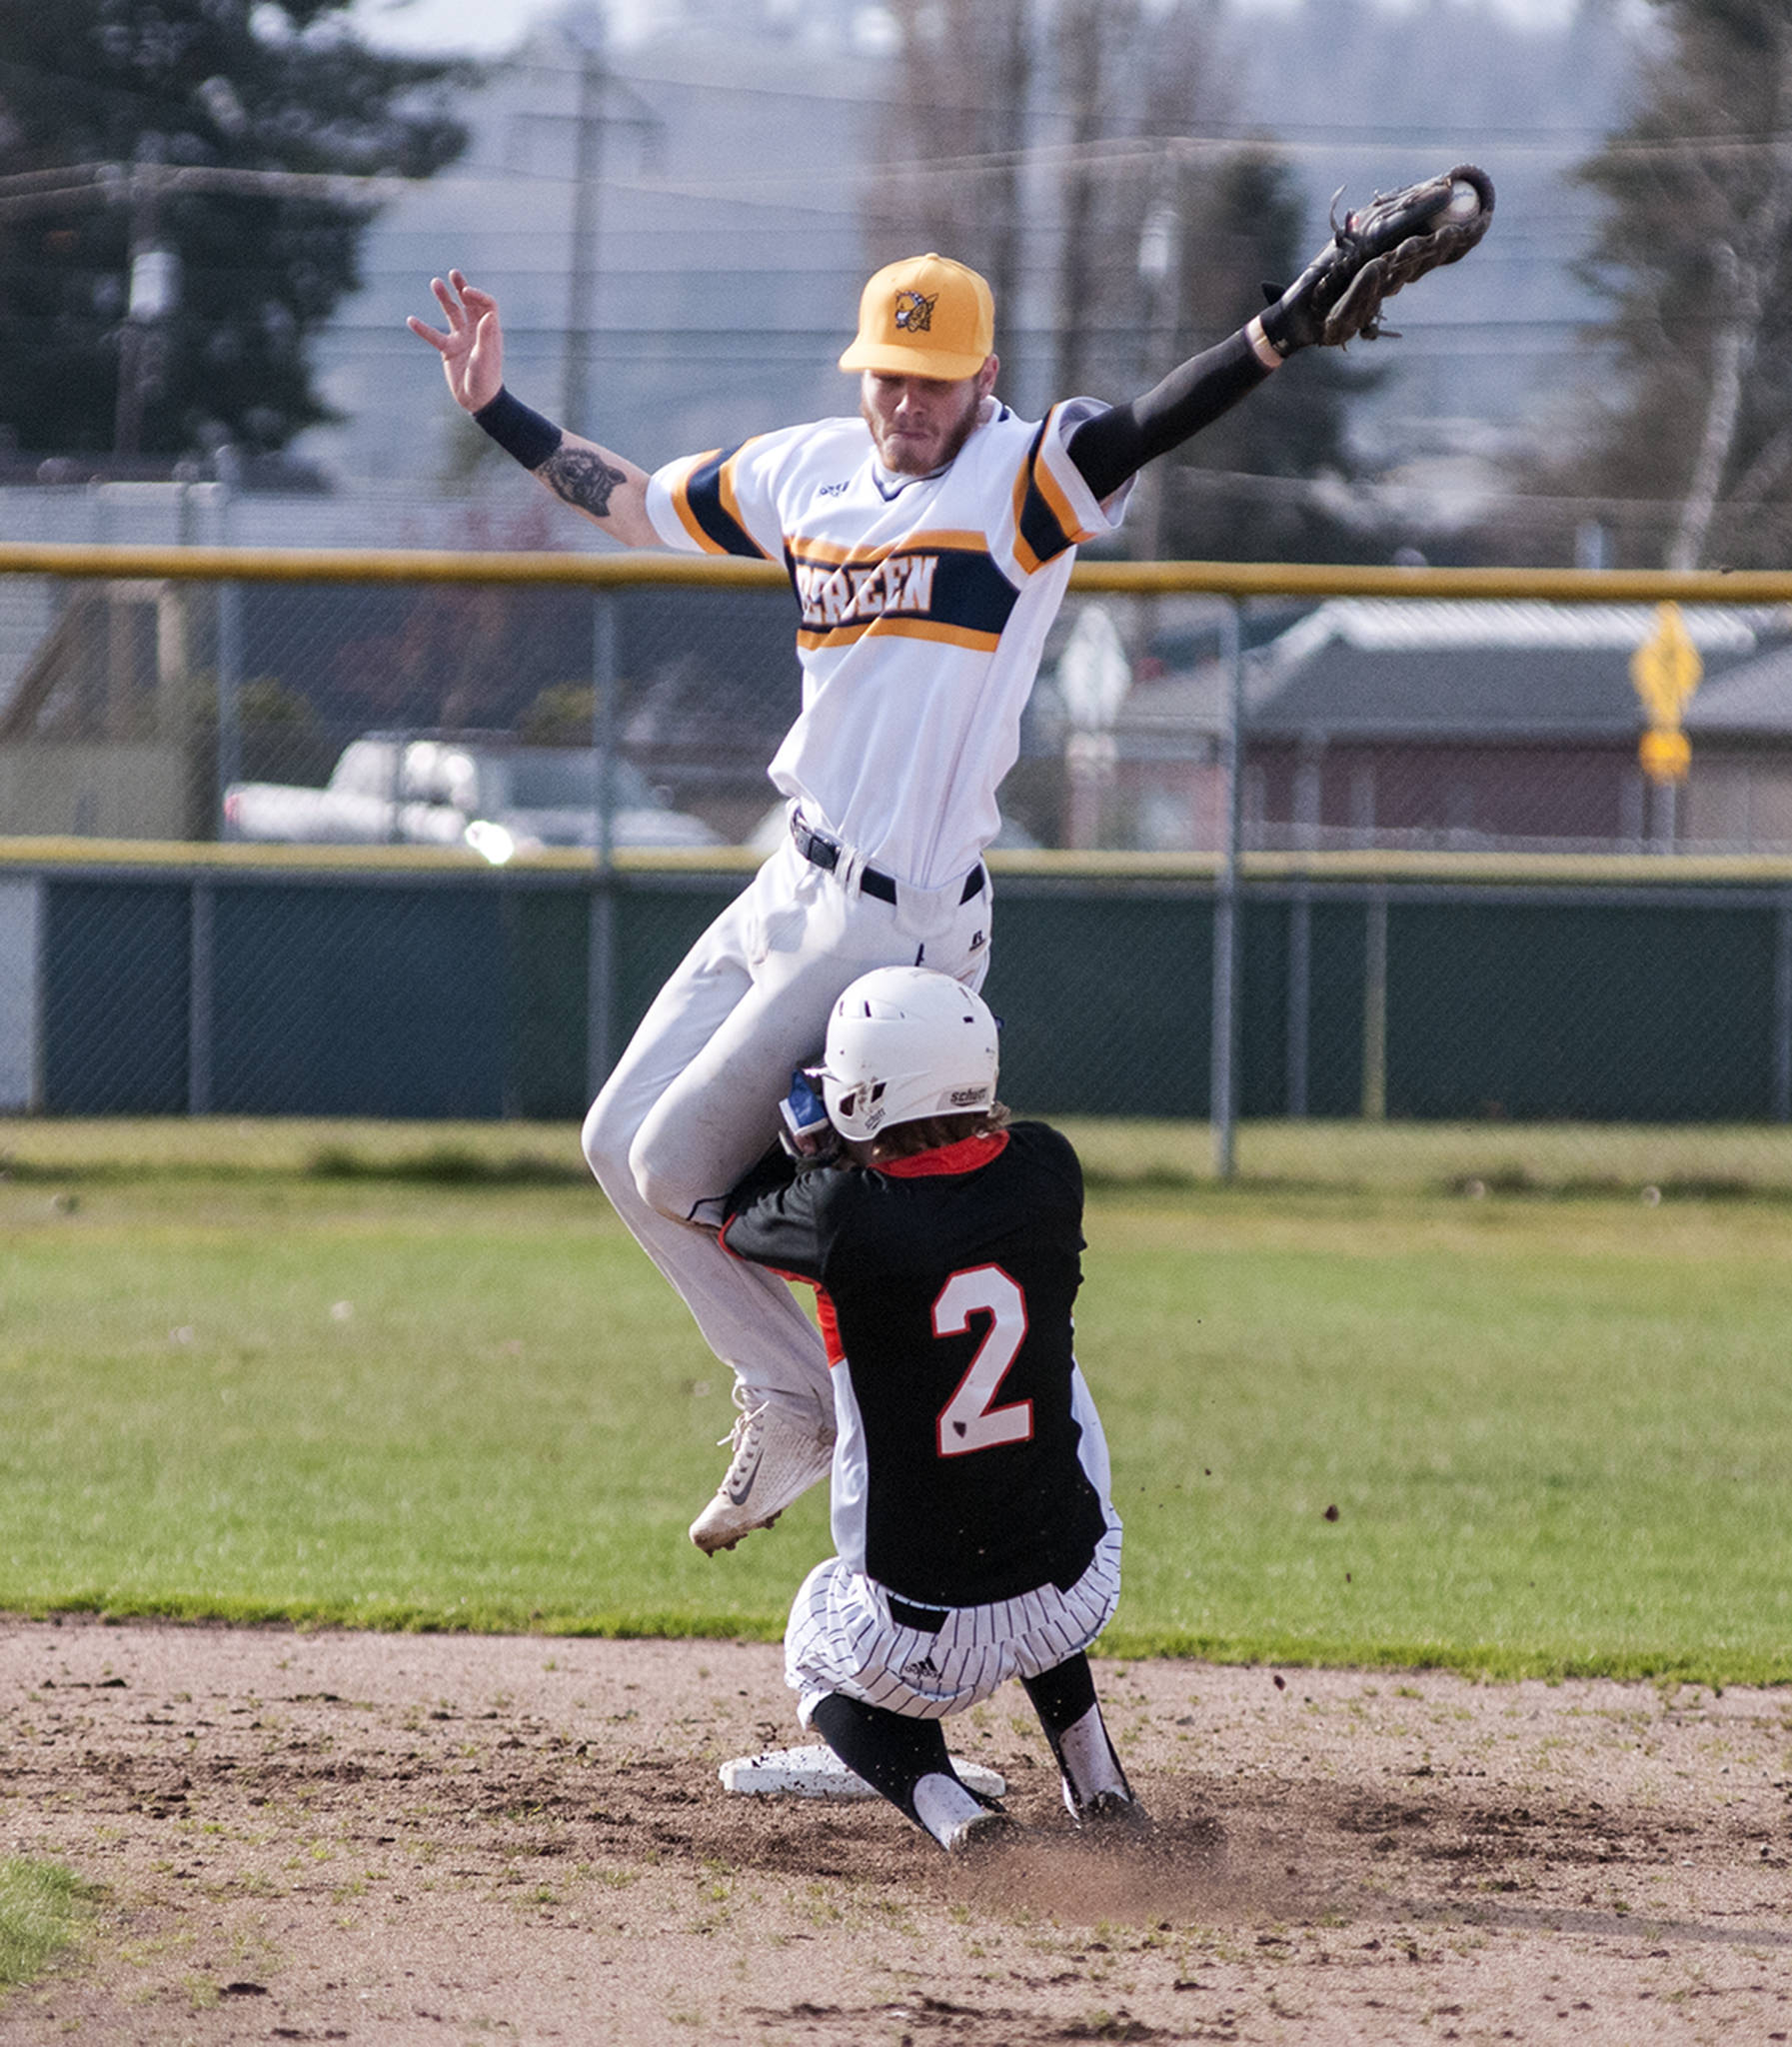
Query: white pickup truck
point(497, 797)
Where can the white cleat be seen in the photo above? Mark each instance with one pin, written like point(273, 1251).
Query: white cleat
point(778, 1458)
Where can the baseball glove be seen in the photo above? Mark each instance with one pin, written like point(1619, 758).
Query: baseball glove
point(1373, 253)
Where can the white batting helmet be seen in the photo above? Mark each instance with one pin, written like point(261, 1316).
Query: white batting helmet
point(905, 1043)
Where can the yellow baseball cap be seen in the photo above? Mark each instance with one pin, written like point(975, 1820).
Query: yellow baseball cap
point(923, 317)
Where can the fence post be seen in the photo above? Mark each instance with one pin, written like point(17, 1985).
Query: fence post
point(1225, 1053)
point(599, 989)
point(200, 980)
point(1374, 1008)
point(230, 649)
point(1782, 1014)
point(1300, 997)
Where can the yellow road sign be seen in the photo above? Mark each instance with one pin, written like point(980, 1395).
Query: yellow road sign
point(1666, 668)
point(1666, 756)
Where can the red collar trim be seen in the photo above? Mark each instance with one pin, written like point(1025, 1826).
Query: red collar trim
point(964, 1157)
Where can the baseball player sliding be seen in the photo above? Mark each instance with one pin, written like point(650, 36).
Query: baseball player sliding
point(977, 1539)
point(929, 541)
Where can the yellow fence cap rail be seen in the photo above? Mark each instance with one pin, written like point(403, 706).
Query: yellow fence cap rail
point(632, 569)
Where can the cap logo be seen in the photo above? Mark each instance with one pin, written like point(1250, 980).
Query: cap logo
point(914, 312)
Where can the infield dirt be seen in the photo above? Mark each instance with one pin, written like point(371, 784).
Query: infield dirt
point(442, 1838)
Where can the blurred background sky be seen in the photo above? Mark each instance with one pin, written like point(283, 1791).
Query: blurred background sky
point(488, 28)
point(738, 152)
point(676, 203)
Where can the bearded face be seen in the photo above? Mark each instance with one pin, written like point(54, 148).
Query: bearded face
point(918, 424)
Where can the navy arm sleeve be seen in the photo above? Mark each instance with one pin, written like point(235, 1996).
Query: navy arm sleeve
point(1119, 443)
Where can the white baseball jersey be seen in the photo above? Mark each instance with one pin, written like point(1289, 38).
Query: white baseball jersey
point(925, 602)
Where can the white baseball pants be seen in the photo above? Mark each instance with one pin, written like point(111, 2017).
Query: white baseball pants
point(843, 1637)
point(693, 1102)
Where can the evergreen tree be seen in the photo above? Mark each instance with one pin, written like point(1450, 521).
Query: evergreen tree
point(1695, 257)
point(187, 128)
point(1251, 486)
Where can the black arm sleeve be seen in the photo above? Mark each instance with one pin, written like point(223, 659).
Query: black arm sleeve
point(1119, 443)
point(777, 1217)
point(770, 1174)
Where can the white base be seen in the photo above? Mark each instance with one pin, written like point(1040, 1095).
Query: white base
point(817, 1772)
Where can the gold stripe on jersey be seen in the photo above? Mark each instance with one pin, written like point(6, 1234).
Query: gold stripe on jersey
point(709, 508)
point(907, 628)
point(730, 503)
point(838, 557)
point(1046, 521)
point(1059, 498)
point(681, 504)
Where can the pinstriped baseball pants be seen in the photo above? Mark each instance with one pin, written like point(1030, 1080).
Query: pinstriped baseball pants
point(842, 1637)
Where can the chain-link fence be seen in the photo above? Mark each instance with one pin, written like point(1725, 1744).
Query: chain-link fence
point(292, 832)
point(1378, 710)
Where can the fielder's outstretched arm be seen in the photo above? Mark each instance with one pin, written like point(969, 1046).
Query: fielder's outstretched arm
point(1373, 254)
point(1119, 443)
point(606, 488)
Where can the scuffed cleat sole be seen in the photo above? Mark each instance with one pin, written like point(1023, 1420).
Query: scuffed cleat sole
point(985, 1837)
point(711, 1548)
point(1111, 1816)
point(778, 1458)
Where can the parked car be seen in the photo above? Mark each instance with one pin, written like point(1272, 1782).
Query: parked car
point(497, 798)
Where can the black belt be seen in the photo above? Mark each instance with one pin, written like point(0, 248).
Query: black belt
point(822, 852)
point(927, 1620)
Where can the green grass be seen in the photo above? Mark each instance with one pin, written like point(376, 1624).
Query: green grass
point(41, 1908)
point(408, 1377)
point(1563, 1160)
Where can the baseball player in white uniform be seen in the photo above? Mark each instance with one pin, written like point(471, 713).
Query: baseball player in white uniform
point(971, 1507)
point(929, 541)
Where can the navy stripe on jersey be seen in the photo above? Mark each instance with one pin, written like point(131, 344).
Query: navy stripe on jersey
point(1039, 523)
point(703, 499)
point(958, 589)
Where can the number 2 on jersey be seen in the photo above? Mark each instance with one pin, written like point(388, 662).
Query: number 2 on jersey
point(971, 1420)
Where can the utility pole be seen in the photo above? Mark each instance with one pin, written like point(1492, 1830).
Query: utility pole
point(588, 163)
point(154, 291)
point(592, 119)
point(1160, 278)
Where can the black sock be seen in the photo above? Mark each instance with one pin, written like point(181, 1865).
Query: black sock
point(888, 1750)
point(1061, 1697)
point(1064, 1697)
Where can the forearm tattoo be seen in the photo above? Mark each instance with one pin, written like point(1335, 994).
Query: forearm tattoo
point(582, 477)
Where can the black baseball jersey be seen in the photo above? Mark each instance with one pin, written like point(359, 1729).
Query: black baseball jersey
point(947, 1282)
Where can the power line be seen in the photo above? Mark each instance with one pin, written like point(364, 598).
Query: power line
point(116, 184)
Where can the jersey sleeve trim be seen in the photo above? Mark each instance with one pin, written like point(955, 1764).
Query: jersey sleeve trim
point(703, 495)
point(708, 506)
point(1054, 508)
point(827, 1315)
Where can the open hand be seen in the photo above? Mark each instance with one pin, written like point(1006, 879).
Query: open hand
point(472, 350)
